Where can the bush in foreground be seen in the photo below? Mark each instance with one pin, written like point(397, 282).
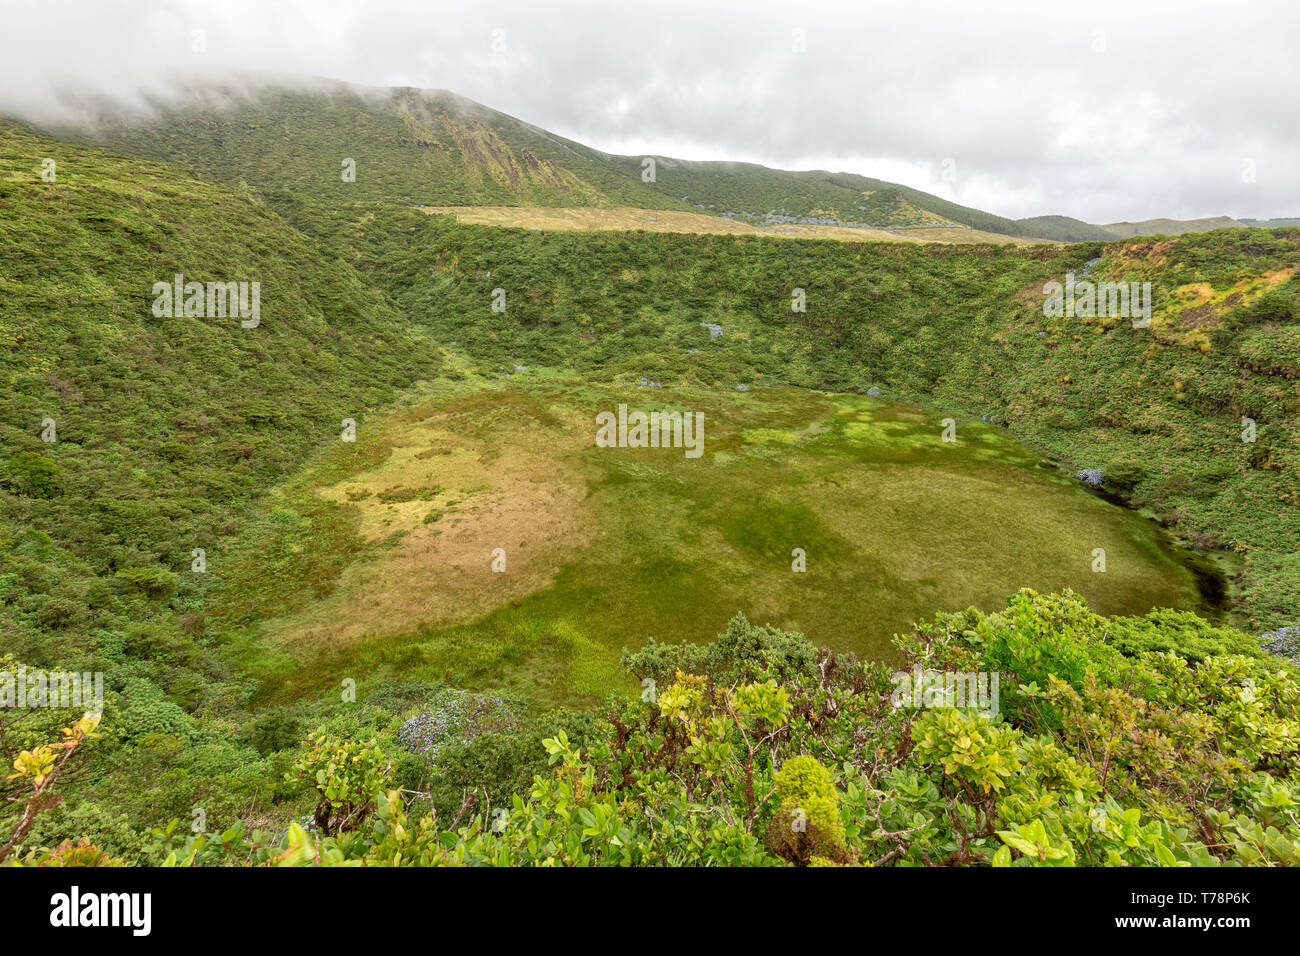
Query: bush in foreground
point(1079, 754)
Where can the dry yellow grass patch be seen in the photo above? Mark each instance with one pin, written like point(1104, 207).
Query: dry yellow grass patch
point(1198, 306)
point(510, 490)
point(652, 220)
point(1195, 293)
point(970, 236)
point(1278, 276)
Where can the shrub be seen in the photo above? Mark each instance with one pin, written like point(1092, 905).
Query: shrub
point(807, 822)
point(1124, 474)
point(1181, 632)
point(33, 475)
point(157, 583)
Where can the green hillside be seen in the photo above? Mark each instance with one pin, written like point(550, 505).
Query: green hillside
point(1060, 228)
point(757, 193)
point(408, 146)
point(438, 149)
point(1275, 223)
point(163, 429)
point(1171, 227)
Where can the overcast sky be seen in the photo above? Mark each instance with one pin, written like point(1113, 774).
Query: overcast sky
point(1100, 110)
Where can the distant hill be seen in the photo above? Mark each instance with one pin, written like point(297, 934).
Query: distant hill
point(1172, 227)
point(293, 139)
point(406, 146)
point(1272, 223)
point(1062, 228)
point(421, 147)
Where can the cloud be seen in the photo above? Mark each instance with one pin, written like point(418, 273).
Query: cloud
point(1105, 111)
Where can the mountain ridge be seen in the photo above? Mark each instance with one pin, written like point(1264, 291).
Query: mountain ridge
point(436, 147)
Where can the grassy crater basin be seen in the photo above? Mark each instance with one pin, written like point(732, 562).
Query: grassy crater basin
point(607, 547)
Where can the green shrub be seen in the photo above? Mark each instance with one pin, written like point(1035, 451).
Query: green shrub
point(1180, 632)
point(32, 474)
point(158, 583)
point(807, 822)
point(1124, 474)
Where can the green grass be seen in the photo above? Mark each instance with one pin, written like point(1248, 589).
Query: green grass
point(893, 521)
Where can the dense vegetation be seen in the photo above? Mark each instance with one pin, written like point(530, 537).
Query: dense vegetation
point(760, 749)
point(164, 430)
point(172, 434)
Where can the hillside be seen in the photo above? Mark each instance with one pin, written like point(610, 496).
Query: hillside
point(438, 149)
point(1172, 227)
point(1275, 223)
point(131, 439)
point(413, 147)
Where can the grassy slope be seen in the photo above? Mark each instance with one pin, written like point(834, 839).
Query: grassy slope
point(435, 148)
point(755, 191)
point(409, 146)
point(1170, 227)
point(167, 431)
